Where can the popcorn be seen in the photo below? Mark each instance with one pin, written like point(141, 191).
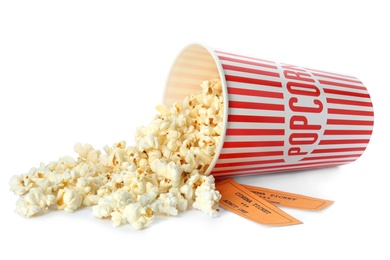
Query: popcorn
point(104, 208)
point(162, 174)
point(35, 201)
point(18, 185)
point(138, 216)
point(174, 174)
point(149, 196)
point(69, 199)
point(87, 152)
point(170, 203)
point(207, 196)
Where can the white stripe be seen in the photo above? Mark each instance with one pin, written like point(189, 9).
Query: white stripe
point(345, 137)
point(346, 97)
point(349, 117)
point(350, 107)
point(250, 66)
point(329, 73)
point(338, 88)
point(243, 167)
point(250, 75)
point(241, 85)
point(335, 146)
point(339, 127)
point(253, 138)
point(255, 112)
point(312, 155)
point(354, 127)
point(236, 84)
point(250, 159)
point(250, 149)
point(256, 99)
point(239, 125)
point(341, 81)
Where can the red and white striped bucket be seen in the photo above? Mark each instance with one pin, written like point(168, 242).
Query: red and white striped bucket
point(278, 117)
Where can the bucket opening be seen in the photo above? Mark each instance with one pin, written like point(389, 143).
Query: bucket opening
point(195, 64)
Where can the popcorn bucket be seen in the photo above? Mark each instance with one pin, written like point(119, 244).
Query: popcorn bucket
point(278, 117)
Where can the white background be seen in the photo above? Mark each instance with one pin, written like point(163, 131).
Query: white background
point(93, 71)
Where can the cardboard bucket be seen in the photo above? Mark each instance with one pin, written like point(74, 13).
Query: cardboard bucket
point(278, 117)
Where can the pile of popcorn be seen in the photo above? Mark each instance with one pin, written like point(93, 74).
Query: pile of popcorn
point(163, 173)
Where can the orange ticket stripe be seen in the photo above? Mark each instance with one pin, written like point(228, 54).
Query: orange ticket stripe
point(287, 199)
point(238, 199)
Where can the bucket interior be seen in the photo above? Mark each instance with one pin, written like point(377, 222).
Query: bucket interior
point(192, 66)
point(195, 64)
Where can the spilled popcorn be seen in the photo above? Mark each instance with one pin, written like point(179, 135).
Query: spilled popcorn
point(162, 174)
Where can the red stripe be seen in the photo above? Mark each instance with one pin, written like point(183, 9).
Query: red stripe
point(253, 105)
point(252, 144)
point(246, 155)
point(253, 81)
point(331, 73)
point(284, 169)
point(348, 122)
point(337, 78)
point(341, 85)
point(242, 131)
point(248, 70)
point(281, 166)
point(344, 141)
point(348, 132)
point(255, 119)
point(248, 62)
point(220, 165)
point(242, 56)
point(349, 102)
point(256, 93)
point(339, 150)
point(345, 93)
point(330, 157)
point(350, 112)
